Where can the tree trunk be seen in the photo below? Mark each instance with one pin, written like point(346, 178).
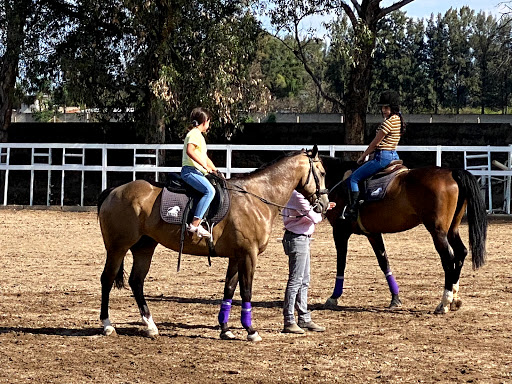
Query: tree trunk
point(16, 17)
point(356, 104)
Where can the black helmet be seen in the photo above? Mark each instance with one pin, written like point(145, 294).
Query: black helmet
point(389, 98)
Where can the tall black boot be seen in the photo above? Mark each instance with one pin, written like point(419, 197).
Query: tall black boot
point(350, 211)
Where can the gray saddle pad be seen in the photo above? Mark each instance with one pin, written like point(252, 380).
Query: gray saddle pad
point(174, 206)
point(376, 188)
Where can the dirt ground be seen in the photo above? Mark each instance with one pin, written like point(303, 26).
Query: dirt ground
point(50, 332)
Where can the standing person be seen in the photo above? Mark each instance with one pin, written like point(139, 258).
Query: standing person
point(383, 146)
point(195, 165)
point(299, 221)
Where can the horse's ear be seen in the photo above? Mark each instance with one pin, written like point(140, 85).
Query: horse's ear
point(314, 152)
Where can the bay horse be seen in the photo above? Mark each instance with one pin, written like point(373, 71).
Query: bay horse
point(129, 217)
point(433, 196)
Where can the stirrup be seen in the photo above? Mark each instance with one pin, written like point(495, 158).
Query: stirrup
point(348, 214)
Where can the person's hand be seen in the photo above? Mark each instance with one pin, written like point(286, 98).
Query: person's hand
point(361, 159)
point(332, 204)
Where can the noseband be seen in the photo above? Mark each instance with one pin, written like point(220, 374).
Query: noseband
point(319, 192)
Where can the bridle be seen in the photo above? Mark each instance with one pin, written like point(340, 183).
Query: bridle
point(318, 192)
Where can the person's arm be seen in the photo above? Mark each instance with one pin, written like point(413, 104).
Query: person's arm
point(371, 147)
point(304, 208)
point(209, 165)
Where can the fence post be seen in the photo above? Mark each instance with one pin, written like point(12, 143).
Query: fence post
point(228, 160)
point(104, 167)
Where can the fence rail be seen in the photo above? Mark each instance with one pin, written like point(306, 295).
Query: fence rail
point(86, 159)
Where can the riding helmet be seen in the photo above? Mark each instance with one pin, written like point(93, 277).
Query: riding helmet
point(389, 98)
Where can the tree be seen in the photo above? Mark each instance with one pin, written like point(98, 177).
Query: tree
point(364, 17)
point(162, 58)
point(14, 17)
point(437, 60)
point(460, 56)
point(29, 30)
point(400, 61)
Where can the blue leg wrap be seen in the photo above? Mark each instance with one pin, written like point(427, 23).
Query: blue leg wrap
point(225, 308)
point(338, 287)
point(246, 316)
point(393, 286)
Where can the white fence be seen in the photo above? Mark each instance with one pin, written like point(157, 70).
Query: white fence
point(494, 175)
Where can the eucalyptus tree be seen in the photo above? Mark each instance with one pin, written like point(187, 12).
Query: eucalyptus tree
point(364, 16)
point(28, 30)
point(161, 58)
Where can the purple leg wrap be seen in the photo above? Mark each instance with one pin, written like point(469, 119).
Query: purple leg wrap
point(246, 316)
point(338, 287)
point(393, 286)
point(225, 308)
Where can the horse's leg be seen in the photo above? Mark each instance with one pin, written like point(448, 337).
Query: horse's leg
point(445, 251)
point(341, 234)
point(110, 272)
point(225, 308)
point(246, 269)
point(460, 252)
point(377, 243)
point(142, 253)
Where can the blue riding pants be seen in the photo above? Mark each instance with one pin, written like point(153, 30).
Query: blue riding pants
point(380, 161)
point(193, 177)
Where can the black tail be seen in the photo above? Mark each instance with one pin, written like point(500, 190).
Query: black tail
point(119, 280)
point(469, 189)
point(103, 195)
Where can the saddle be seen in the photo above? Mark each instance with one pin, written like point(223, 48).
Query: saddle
point(179, 201)
point(376, 186)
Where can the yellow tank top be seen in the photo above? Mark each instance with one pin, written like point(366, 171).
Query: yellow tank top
point(194, 137)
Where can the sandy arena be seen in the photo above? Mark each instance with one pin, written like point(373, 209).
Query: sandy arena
point(51, 263)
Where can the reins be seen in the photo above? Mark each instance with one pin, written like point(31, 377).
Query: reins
point(318, 192)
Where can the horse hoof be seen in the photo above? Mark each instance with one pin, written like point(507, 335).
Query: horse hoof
point(152, 333)
point(441, 309)
point(228, 335)
point(109, 331)
point(331, 303)
point(455, 305)
point(395, 303)
point(254, 337)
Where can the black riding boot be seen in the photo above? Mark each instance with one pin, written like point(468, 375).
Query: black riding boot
point(350, 211)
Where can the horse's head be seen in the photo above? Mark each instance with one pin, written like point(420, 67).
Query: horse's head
point(312, 184)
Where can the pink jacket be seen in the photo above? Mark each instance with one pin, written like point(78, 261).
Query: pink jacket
point(298, 206)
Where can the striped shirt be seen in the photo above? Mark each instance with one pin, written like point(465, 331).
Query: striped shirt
point(391, 128)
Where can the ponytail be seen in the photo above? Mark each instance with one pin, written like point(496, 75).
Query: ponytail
point(198, 116)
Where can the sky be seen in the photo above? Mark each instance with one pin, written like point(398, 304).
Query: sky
point(424, 8)
point(417, 9)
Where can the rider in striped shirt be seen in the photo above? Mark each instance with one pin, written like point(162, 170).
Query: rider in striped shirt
point(383, 146)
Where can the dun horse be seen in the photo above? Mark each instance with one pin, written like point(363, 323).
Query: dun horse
point(435, 197)
point(129, 217)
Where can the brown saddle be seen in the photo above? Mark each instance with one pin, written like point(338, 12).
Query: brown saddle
point(394, 166)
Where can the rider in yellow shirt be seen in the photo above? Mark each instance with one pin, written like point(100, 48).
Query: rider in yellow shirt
point(195, 165)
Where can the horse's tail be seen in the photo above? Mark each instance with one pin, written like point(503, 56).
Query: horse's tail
point(103, 195)
point(119, 280)
point(469, 190)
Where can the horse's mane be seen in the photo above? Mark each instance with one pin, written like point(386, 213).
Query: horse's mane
point(266, 165)
point(335, 168)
